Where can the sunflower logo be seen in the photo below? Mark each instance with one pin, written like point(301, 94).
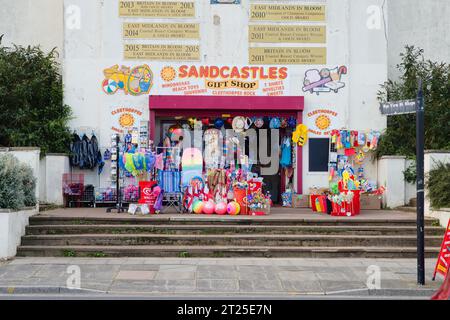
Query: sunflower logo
point(323, 122)
point(168, 74)
point(126, 120)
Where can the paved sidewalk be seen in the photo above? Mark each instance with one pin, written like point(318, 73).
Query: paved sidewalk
point(219, 277)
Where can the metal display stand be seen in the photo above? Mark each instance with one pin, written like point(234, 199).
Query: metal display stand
point(118, 206)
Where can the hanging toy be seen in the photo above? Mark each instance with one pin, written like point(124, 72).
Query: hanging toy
point(374, 141)
point(369, 137)
point(300, 135)
point(332, 173)
point(339, 144)
point(361, 139)
point(359, 158)
point(191, 121)
point(292, 122)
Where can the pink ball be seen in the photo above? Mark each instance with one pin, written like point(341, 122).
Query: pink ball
point(209, 207)
point(221, 208)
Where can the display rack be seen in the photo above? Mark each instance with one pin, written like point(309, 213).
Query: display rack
point(118, 203)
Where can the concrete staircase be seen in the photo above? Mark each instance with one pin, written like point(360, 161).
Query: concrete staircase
point(192, 236)
point(411, 207)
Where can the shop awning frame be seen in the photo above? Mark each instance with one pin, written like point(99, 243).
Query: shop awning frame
point(210, 106)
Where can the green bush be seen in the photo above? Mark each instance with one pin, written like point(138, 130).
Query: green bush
point(33, 113)
point(439, 186)
point(400, 135)
point(17, 184)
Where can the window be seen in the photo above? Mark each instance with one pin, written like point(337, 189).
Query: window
point(318, 154)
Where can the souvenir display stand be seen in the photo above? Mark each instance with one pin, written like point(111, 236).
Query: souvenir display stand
point(348, 151)
point(118, 199)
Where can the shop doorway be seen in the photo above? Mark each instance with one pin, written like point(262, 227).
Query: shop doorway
point(168, 110)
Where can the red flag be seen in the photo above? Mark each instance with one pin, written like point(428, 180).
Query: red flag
point(444, 291)
point(443, 262)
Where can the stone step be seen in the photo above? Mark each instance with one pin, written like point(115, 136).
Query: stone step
point(267, 240)
point(203, 229)
point(407, 209)
point(223, 251)
point(226, 220)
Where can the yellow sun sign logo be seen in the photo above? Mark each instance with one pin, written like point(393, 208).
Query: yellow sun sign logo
point(323, 122)
point(168, 74)
point(126, 120)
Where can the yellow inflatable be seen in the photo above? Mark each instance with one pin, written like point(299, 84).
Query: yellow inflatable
point(300, 135)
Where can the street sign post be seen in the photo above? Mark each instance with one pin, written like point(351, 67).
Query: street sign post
point(398, 107)
point(418, 107)
point(420, 145)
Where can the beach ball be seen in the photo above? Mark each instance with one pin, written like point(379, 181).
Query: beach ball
point(175, 133)
point(197, 206)
point(110, 86)
point(221, 208)
point(209, 207)
point(233, 208)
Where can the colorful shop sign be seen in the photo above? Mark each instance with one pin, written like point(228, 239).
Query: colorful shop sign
point(224, 80)
point(125, 118)
point(325, 80)
point(135, 81)
point(323, 121)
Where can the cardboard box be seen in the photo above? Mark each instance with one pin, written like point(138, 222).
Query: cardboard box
point(300, 201)
point(369, 202)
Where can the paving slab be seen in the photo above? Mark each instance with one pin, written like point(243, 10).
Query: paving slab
point(135, 275)
point(175, 275)
point(217, 285)
point(224, 277)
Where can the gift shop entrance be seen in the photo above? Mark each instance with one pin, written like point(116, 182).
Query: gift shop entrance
point(238, 139)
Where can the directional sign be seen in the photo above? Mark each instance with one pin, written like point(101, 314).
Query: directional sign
point(398, 107)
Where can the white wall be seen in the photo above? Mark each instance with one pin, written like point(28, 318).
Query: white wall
point(12, 228)
point(31, 22)
point(422, 23)
point(390, 175)
point(53, 166)
point(98, 44)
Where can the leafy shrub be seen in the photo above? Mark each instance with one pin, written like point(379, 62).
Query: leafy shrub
point(29, 184)
point(33, 113)
point(400, 135)
point(439, 186)
point(410, 173)
point(17, 184)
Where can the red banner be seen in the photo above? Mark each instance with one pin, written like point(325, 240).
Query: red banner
point(443, 263)
point(146, 194)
